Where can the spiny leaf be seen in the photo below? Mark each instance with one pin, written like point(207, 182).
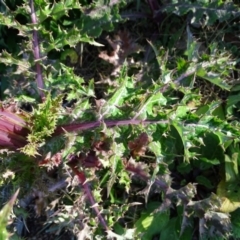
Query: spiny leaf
point(100, 17)
point(10, 21)
point(9, 60)
point(204, 12)
point(146, 107)
point(55, 10)
point(112, 106)
point(42, 123)
point(4, 214)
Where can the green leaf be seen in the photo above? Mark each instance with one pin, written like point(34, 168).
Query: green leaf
point(192, 47)
point(42, 123)
point(112, 106)
point(204, 181)
point(43, 13)
point(58, 10)
point(7, 59)
point(230, 195)
point(4, 214)
point(155, 147)
point(232, 102)
point(114, 160)
point(67, 79)
point(170, 231)
point(8, 20)
point(228, 205)
point(150, 223)
point(231, 168)
point(72, 54)
point(207, 163)
point(100, 17)
point(127, 234)
point(146, 108)
point(214, 78)
point(235, 219)
point(204, 13)
point(186, 143)
point(181, 112)
point(125, 180)
point(184, 168)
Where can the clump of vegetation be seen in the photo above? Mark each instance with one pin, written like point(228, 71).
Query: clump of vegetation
point(119, 119)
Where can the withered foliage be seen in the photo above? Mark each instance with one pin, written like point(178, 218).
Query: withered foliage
point(138, 146)
point(103, 144)
point(86, 160)
point(51, 161)
point(122, 46)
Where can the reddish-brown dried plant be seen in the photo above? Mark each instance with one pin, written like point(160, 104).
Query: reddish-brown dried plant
point(123, 45)
point(139, 145)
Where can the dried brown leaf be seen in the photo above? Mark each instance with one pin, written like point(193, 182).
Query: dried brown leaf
point(123, 45)
point(138, 168)
point(103, 144)
point(89, 160)
point(51, 161)
point(139, 145)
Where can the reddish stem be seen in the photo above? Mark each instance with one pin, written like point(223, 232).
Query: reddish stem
point(82, 179)
point(36, 52)
point(109, 123)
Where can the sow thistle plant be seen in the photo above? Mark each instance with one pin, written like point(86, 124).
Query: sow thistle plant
point(138, 152)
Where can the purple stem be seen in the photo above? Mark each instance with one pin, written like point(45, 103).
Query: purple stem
point(83, 182)
point(109, 123)
point(93, 203)
point(36, 52)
